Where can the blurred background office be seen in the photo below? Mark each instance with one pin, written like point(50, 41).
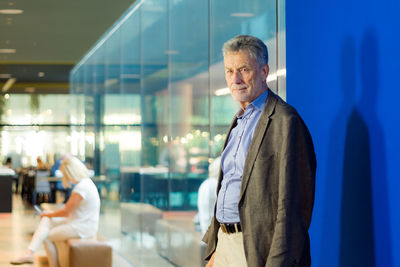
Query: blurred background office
point(136, 90)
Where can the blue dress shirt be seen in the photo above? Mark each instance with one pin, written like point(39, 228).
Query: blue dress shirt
point(233, 158)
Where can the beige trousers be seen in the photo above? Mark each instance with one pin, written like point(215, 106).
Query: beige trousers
point(54, 229)
point(230, 250)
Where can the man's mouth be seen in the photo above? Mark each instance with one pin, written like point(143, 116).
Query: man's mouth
point(238, 87)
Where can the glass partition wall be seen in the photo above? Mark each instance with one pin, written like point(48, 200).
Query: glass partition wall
point(39, 125)
point(156, 110)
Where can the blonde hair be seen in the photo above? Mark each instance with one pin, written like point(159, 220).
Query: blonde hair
point(73, 170)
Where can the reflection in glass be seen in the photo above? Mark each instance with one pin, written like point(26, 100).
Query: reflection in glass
point(157, 109)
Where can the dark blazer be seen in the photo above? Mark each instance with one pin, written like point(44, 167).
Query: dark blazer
point(277, 192)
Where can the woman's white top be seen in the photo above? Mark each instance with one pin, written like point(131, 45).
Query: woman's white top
point(85, 217)
point(206, 202)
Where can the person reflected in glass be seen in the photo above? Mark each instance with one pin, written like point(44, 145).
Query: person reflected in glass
point(266, 185)
point(8, 163)
point(7, 168)
point(174, 157)
point(207, 195)
point(79, 218)
point(41, 165)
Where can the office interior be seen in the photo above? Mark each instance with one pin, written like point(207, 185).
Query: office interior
point(136, 90)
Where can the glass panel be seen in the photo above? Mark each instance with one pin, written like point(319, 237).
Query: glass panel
point(189, 113)
point(25, 143)
point(257, 18)
point(38, 125)
point(110, 136)
point(26, 109)
point(157, 110)
point(154, 99)
point(129, 105)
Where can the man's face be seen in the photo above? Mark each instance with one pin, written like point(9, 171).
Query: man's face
point(245, 78)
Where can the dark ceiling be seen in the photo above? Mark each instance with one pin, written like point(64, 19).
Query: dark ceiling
point(48, 38)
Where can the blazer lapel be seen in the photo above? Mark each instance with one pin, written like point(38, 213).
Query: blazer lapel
point(258, 136)
point(233, 124)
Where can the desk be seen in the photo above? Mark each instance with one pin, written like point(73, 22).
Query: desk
point(97, 180)
point(59, 179)
point(6, 193)
point(45, 188)
point(53, 179)
point(166, 191)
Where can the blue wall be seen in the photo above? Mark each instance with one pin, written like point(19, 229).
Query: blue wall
point(342, 76)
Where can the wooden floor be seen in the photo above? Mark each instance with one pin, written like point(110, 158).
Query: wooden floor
point(16, 230)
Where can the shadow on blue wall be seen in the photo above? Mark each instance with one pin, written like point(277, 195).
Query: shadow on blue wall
point(365, 227)
point(356, 221)
point(370, 67)
point(331, 236)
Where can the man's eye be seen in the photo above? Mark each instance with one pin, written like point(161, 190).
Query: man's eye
point(244, 69)
point(229, 71)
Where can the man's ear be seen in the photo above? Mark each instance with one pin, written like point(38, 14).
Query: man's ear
point(265, 70)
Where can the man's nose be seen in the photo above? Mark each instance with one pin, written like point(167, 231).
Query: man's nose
point(237, 77)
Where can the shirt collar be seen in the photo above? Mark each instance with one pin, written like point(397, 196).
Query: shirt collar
point(257, 103)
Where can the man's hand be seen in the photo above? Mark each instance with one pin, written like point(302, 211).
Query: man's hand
point(211, 261)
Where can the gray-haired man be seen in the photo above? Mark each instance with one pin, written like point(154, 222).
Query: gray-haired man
point(267, 178)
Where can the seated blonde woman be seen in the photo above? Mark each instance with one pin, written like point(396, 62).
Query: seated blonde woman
point(79, 218)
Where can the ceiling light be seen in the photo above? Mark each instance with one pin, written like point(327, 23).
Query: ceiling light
point(129, 76)
point(5, 76)
point(274, 76)
point(8, 51)
point(11, 11)
point(222, 91)
point(30, 89)
point(111, 81)
point(171, 52)
point(281, 72)
point(8, 84)
point(41, 74)
point(242, 15)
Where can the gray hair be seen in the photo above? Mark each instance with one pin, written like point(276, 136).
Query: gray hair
point(256, 48)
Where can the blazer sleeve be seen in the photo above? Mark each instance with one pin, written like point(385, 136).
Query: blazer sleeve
point(210, 238)
point(297, 167)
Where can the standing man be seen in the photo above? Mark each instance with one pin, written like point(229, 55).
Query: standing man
point(267, 178)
